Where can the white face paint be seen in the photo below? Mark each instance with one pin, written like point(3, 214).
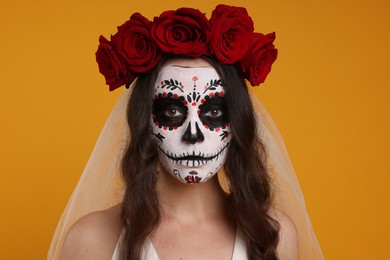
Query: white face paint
point(190, 122)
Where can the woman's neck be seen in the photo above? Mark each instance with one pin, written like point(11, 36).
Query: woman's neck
point(189, 202)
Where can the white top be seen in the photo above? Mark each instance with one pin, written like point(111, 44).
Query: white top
point(149, 253)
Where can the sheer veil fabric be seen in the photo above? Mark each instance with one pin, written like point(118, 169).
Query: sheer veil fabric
point(100, 186)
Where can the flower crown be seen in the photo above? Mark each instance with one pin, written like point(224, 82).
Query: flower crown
point(229, 36)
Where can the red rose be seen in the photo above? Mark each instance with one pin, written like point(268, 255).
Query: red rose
point(134, 44)
point(232, 32)
point(257, 62)
point(184, 31)
point(111, 66)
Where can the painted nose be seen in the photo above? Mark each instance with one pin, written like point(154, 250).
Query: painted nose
point(193, 137)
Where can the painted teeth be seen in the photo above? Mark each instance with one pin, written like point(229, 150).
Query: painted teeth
point(191, 163)
point(180, 158)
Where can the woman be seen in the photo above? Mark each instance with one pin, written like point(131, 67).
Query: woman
point(189, 115)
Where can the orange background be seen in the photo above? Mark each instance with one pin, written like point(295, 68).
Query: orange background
point(328, 93)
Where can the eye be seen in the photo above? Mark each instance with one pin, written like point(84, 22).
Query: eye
point(214, 113)
point(172, 112)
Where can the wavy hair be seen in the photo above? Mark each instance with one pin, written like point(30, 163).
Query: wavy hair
point(249, 198)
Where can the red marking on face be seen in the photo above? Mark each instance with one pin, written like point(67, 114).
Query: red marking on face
point(182, 86)
point(198, 112)
point(164, 94)
point(153, 116)
point(165, 127)
point(175, 127)
point(221, 94)
point(193, 103)
point(156, 123)
point(217, 129)
point(207, 127)
point(175, 95)
point(226, 124)
point(202, 101)
point(194, 78)
point(192, 179)
point(184, 102)
point(211, 94)
point(162, 82)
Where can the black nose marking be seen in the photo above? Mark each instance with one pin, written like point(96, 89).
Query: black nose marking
point(192, 138)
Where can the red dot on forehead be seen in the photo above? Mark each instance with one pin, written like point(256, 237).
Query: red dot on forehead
point(194, 103)
point(194, 78)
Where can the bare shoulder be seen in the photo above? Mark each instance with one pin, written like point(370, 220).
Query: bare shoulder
point(288, 236)
point(93, 236)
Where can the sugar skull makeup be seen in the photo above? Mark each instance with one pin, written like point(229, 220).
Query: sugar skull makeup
point(190, 122)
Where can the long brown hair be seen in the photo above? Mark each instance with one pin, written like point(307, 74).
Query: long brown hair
point(249, 198)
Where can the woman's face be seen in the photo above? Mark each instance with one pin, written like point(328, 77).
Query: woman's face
point(190, 121)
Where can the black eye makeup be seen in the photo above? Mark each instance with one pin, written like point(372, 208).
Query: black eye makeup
point(169, 112)
point(213, 112)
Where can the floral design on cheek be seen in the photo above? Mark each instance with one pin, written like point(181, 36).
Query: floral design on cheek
point(159, 136)
point(225, 136)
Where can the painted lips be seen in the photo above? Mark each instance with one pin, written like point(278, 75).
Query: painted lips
point(194, 159)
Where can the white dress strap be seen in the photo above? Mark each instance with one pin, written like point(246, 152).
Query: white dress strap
point(239, 249)
point(115, 255)
point(148, 251)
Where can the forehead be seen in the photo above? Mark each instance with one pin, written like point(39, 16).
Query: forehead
point(186, 77)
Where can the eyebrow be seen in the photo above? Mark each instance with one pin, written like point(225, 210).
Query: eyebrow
point(213, 85)
point(171, 84)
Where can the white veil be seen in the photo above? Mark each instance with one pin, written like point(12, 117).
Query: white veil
point(100, 186)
